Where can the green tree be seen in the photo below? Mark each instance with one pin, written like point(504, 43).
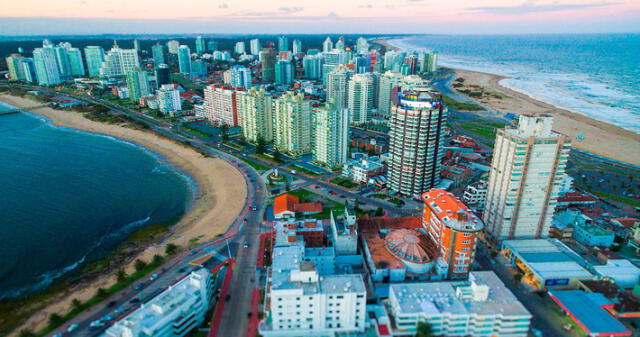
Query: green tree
point(224, 132)
point(76, 304)
point(121, 275)
point(261, 145)
point(157, 260)
point(101, 293)
point(424, 330)
point(27, 333)
point(170, 249)
point(277, 156)
point(379, 212)
point(55, 320)
point(517, 277)
point(139, 265)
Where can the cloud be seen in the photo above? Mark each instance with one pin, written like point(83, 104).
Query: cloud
point(291, 9)
point(223, 6)
point(332, 15)
point(531, 7)
point(366, 6)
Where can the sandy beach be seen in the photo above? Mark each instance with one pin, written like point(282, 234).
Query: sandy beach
point(587, 134)
point(221, 197)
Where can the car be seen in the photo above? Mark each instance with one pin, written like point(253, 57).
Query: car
point(138, 286)
point(134, 300)
point(57, 335)
point(293, 172)
point(536, 332)
point(96, 324)
point(110, 304)
point(106, 318)
point(119, 310)
point(153, 277)
point(245, 244)
point(72, 327)
point(254, 208)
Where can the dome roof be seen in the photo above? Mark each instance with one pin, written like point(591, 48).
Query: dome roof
point(410, 245)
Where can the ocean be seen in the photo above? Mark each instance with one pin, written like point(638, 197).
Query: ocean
point(69, 197)
point(597, 75)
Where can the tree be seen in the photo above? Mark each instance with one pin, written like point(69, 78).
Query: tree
point(101, 293)
point(261, 145)
point(76, 304)
point(27, 333)
point(277, 156)
point(157, 260)
point(224, 132)
point(55, 320)
point(121, 275)
point(170, 249)
point(517, 277)
point(379, 212)
point(139, 265)
point(424, 330)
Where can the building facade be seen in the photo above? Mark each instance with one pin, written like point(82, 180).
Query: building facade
point(338, 86)
point(360, 98)
point(331, 131)
point(220, 105)
point(184, 59)
point(256, 114)
point(292, 115)
point(94, 56)
point(168, 99)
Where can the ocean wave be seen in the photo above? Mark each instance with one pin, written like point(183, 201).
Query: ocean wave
point(575, 92)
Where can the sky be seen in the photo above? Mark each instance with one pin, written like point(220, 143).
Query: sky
point(58, 17)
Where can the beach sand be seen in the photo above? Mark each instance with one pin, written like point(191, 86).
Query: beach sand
point(597, 137)
point(221, 197)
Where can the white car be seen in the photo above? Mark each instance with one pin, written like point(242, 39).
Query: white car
point(153, 277)
point(72, 327)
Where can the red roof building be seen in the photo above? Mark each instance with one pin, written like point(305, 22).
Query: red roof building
point(575, 199)
point(288, 205)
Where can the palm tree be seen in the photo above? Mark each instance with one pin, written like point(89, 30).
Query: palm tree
point(424, 330)
point(261, 145)
point(76, 304)
point(27, 333)
point(171, 249)
point(139, 265)
point(121, 275)
point(157, 260)
point(224, 132)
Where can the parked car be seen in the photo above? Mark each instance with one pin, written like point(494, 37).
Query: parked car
point(246, 244)
point(153, 277)
point(72, 327)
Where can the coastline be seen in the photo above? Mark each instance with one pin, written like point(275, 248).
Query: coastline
point(587, 134)
point(218, 199)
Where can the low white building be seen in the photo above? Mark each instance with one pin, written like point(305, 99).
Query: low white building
point(174, 312)
point(361, 169)
point(623, 272)
point(301, 302)
point(475, 194)
point(593, 235)
point(481, 306)
point(343, 232)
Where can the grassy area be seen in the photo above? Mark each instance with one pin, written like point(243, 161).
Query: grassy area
point(268, 158)
point(301, 169)
point(344, 182)
point(234, 145)
point(257, 166)
point(617, 198)
point(328, 204)
point(195, 131)
point(462, 106)
point(479, 129)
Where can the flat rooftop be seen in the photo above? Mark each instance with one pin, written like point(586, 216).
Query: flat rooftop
point(588, 310)
point(548, 258)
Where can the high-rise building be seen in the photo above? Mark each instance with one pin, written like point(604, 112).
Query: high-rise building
point(28, 69)
point(254, 47)
point(416, 142)
point(283, 43)
point(388, 82)
point(284, 72)
point(454, 228)
point(411, 63)
point(199, 68)
point(94, 56)
point(62, 59)
point(297, 46)
point(13, 65)
point(393, 59)
point(172, 46)
point(330, 134)
point(184, 59)
point(340, 43)
point(240, 77)
point(360, 98)
point(162, 75)
point(428, 62)
point(46, 66)
point(220, 105)
point(157, 52)
point(268, 65)
point(118, 62)
point(239, 48)
point(292, 115)
point(168, 99)
point(136, 45)
point(138, 84)
point(200, 46)
point(524, 180)
point(75, 59)
point(312, 65)
point(327, 45)
point(256, 113)
point(212, 45)
point(362, 46)
point(362, 63)
point(337, 86)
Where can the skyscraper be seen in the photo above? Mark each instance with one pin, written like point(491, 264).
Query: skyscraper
point(297, 46)
point(75, 59)
point(240, 77)
point(428, 62)
point(46, 66)
point(360, 98)
point(331, 131)
point(283, 43)
point(94, 56)
point(256, 114)
point(454, 228)
point(284, 72)
point(239, 48)
point(312, 65)
point(62, 59)
point(362, 46)
point(168, 99)
point(417, 127)
point(184, 59)
point(172, 46)
point(220, 105)
point(337, 86)
point(411, 62)
point(118, 62)
point(268, 65)
point(157, 52)
point(388, 81)
point(162, 75)
point(292, 114)
point(28, 69)
point(527, 167)
point(362, 63)
point(13, 65)
point(138, 84)
point(136, 45)
point(212, 45)
point(340, 43)
point(200, 46)
point(327, 45)
point(254, 46)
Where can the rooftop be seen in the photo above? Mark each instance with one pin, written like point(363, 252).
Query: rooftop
point(410, 245)
point(451, 211)
point(588, 310)
point(548, 258)
point(284, 202)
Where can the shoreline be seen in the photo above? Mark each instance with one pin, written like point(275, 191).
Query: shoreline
point(587, 134)
point(218, 196)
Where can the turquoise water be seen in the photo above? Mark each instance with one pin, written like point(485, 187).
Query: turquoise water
point(597, 75)
point(69, 197)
